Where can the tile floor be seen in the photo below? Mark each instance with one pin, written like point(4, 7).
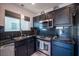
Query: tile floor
point(38, 54)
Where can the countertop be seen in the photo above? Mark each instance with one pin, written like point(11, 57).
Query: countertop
point(57, 39)
point(8, 41)
point(49, 39)
point(64, 40)
point(22, 37)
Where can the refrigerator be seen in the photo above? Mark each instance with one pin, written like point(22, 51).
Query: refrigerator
point(76, 31)
point(62, 46)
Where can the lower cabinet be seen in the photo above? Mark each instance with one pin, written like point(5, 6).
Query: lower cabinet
point(31, 46)
point(62, 49)
point(25, 47)
point(78, 48)
point(21, 51)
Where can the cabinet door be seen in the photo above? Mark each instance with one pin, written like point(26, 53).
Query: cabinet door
point(62, 49)
point(35, 22)
point(77, 17)
point(62, 17)
point(37, 44)
point(78, 49)
point(21, 48)
point(21, 51)
point(49, 15)
point(30, 46)
point(77, 31)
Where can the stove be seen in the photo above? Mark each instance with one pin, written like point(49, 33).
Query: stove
point(44, 45)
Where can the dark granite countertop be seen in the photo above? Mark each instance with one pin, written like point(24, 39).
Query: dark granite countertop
point(7, 41)
point(64, 40)
point(22, 37)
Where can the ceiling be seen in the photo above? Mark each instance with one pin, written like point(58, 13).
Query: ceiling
point(38, 7)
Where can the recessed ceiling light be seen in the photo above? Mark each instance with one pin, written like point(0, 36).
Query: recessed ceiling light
point(33, 3)
point(22, 5)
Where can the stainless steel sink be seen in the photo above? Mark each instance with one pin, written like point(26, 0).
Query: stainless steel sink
point(22, 37)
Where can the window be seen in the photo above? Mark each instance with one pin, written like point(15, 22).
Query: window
point(25, 25)
point(12, 24)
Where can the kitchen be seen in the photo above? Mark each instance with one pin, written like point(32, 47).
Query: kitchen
point(40, 29)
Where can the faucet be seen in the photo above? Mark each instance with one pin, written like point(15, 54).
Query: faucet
point(21, 33)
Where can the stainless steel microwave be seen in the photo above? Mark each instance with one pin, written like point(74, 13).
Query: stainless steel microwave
point(46, 23)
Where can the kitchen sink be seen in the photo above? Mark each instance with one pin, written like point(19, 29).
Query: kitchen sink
point(22, 37)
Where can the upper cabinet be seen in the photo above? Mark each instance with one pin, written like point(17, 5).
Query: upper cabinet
point(43, 20)
point(62, 17)
point(46, 16)
point(76, 22)
point(35, 21)
point(49, 15)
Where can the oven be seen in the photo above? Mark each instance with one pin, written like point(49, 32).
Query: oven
point(44, 46)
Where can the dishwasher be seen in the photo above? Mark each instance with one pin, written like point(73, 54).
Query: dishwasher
point(7, 50)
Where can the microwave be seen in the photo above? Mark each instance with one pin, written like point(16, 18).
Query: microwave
point(46, 23)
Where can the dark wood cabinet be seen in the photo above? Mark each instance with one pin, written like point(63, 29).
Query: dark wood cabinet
point(36, 20)
point(25, 47)
point(62, 49)
point(45, 16)
point(31, 45)
point(49, 15)
point(76, 31)
point(21, 51)
point(77, 16)
point(21, 48)
point(62, 17)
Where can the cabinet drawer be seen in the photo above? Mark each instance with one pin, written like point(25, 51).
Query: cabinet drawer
point(19, 43)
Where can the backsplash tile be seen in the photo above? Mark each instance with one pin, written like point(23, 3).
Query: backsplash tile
point(1, 29)
point(10, 35)
point(48, 32)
